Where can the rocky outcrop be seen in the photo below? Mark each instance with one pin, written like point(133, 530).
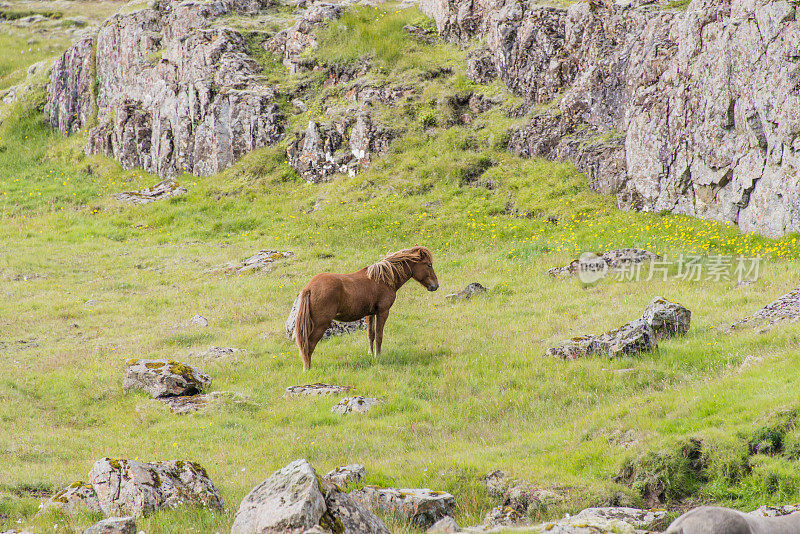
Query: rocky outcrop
point(342, 146)
point(421, 508)
point(661, 319)
point(164, 378)
point(171, 91)
point(294, 501)
point(696, 111)
point(71, 102)
point(289, 44)
point(336, 328)
point(131, 488)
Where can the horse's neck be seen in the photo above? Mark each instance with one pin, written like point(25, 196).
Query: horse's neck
point(403, 278)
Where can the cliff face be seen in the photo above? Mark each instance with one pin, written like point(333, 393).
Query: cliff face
point(694, 111)
point(170, 92)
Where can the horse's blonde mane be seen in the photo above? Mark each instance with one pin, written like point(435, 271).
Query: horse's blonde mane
point(392, 266)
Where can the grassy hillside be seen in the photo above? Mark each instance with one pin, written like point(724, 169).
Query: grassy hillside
point(465, 387)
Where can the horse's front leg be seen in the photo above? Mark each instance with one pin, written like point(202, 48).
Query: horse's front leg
point(380, 322)
point(371, 334)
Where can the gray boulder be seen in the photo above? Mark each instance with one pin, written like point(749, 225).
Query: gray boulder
point(356, 404)
point(661, 319)
point(636, 517)
point(113, 525)
point(128, 487)
point(353, 516)
point(336, 328)
point(421, 508)
point(504, 517)
point(667, 319)
point(346, 475)
point(131, 488)
point(164, 378)
point(292, 501)
point(784, 308)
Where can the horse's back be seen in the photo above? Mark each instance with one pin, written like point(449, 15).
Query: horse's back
point(348, 296)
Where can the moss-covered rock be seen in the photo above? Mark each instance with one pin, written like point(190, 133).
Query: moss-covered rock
point(164, 378)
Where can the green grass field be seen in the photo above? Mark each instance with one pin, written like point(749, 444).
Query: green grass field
point(465, 387)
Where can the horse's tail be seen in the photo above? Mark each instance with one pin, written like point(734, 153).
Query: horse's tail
point(303, 325)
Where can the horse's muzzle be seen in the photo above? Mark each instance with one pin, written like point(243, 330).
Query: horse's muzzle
point(433, 287)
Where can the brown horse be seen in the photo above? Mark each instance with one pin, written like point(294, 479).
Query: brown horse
point(369, 293)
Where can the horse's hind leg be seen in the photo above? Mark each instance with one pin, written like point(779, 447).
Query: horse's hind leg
point(371, 333)
point(313, 339)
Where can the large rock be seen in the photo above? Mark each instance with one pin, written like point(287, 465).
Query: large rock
point(784, 308)
point(346, 475)
point(667, 319)
point(291, 501)
point(132, 488)
point(661, 319)
point(636, 517)
point(164, 378)
point(336, 328)
point(421, 508)
point(128, 487)
point(174, 91)
point(692, 110)
point(113, 525)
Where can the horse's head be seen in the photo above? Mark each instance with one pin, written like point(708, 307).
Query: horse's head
point(422, 269)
